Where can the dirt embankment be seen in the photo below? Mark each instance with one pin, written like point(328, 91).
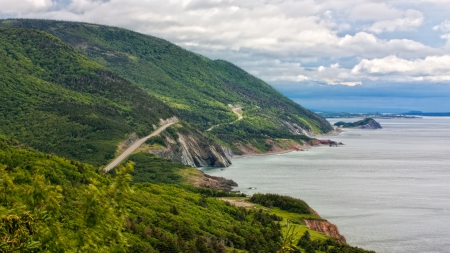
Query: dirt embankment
point(327, 228)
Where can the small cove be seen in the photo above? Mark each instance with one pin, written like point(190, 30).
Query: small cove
point(387, 190)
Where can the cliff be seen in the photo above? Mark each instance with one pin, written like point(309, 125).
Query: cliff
point(193, 151)
point(327, 228)
point(183, 143)
point(212, 182)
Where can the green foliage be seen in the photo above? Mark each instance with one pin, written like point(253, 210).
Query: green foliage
point(16, 234)
point(283, 202)
point(156, 140)
point(58, 205)
point(212, 193)
point(177, 219)
point(152, 169)
point(198, 89)
point(52, 204)
point(328, 246)
point(58, 101)
point(288, 246)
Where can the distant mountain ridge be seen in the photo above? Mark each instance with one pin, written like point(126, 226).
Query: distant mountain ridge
point(197, 89)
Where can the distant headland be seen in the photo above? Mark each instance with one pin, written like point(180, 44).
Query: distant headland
point(367, 123)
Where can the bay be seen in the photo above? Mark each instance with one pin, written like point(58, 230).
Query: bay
point(387, 190)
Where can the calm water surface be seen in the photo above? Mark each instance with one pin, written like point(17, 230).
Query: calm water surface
point(387, 190)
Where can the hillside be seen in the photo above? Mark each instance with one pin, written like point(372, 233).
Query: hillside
point(54, 204)
point(58, 101)
point(199, 90)
point(51, 204)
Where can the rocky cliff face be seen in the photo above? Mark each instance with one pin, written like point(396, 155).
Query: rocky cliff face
point(297, 130)
point(193, 149)
point(327, 228)
point(215, 183)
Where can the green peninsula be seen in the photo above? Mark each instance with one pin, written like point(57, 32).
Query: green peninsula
point(367, 123)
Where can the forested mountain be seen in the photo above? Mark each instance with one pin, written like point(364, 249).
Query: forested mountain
point(77, 109)
point(198, 89)
point(58, 101)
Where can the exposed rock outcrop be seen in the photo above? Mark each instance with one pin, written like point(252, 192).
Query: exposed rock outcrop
point(328, 142)
point(327, 228)
point(128, 142)
point(294, 128)
point(193, 149)
point(215, 183)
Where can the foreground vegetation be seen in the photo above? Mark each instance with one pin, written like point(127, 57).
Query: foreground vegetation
point(51, 204)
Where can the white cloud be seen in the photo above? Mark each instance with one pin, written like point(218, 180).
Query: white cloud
point(367, 45)
point(443, 27)
point(431, 68)
point(375, 11)
point(271, 39)
point(24, 6)
point(410, 19)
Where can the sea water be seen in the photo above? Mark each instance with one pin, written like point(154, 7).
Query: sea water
point(387, 190)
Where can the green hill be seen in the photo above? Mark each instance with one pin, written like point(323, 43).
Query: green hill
point(58, 101)
point(199, 90)
point(51, 204)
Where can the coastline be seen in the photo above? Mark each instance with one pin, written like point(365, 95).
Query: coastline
point(322, 226)
point(297, 148)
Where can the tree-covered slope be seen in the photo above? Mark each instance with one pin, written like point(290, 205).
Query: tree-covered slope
point(52, 204)
point(197, 88)
point(58, 101)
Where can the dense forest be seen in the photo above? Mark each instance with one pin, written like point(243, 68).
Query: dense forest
point(198, 89)
point(52, 204)
point(58, 101)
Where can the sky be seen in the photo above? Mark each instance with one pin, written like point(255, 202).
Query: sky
point(327, 55)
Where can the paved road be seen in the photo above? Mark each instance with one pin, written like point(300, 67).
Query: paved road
point(236, 111)
point(133, 147)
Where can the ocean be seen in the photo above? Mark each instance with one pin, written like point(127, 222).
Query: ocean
point(387, 190)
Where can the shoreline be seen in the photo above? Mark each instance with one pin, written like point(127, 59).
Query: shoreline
point(264, 154)
point(301, 148)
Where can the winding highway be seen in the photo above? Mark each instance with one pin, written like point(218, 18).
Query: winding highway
point(133, 147)
point(237, 111)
